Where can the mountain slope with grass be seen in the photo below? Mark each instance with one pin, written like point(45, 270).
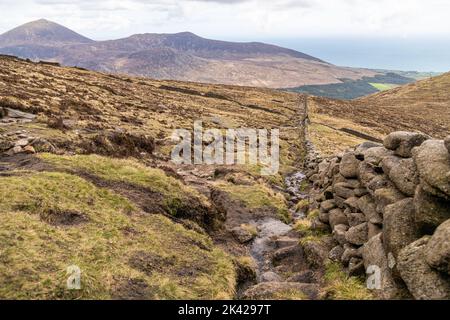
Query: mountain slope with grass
point(86, 181)
point(180, 56)
point(422, 106)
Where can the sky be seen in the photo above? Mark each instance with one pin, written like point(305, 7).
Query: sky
point(305, 25)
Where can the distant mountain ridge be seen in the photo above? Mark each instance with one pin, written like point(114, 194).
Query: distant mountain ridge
point(180, 56)
point(43, 33)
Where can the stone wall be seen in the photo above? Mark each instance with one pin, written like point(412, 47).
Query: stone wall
point(388, 207)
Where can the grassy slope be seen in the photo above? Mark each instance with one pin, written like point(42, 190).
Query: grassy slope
point(420, 106)
point(53, 220)
point(58, 217)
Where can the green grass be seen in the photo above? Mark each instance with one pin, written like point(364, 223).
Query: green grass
point(258, 196)
point(383, 86)
point(174, 263)
point(339, 286)
point(175, 193)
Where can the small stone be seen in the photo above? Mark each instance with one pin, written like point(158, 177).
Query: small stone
point(336, 253)
point(242, 235)
point(327, 205)
point(356, 267)
point(21, 143)
point(17, 149)
point(29, 150)
point(270, 277)
point(339, 232)
point(403, 142)
point(357, 235)
point(336, 217)
point(303, 277)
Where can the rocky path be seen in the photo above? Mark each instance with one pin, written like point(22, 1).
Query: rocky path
point(281, 268)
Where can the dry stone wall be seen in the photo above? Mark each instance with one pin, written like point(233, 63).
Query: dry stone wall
point(388, 208)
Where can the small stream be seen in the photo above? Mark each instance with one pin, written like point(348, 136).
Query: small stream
point(269, 229)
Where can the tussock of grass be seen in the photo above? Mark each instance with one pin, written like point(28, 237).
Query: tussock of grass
point(120, 255)
point(250, 229)
point(290, 295)
point(258, 196)
point(304, 227)
point(302, 205)
point(339, 286)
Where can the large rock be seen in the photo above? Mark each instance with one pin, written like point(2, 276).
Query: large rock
point(357, 235)
point(433, 163)
point(437, 252)
point(447, 143)
point(405, 176)
point(389, 162)
point(430, 211)
point(387, 196)
point(270, 277)
point(349, 166)
point(373, 230)
point(349, 253)
point(423, 282)
point(336, 253)
point(281, 290)
point(374, 256)
point(368, 207)
point(339, 232)
point(327, 205)
point(399, 228)
point(359, 152)
point(379, 182)
point(375, 155)
point(342, 190)
point(336, 217)
point(403, 142)
point(242, 235)
point(317, 251)
point(356, 218)
point(351, 204)
point(366, 173)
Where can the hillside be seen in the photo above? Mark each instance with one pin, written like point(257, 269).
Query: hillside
point(351, 89)
point(422, 106)
point(86, 180)
point(181, 56)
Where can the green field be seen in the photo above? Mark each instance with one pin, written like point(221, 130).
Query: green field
point(383, 86)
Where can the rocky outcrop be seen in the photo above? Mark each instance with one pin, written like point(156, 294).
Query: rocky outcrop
point(389, 208)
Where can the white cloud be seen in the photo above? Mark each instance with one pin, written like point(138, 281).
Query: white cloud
point(237, 18)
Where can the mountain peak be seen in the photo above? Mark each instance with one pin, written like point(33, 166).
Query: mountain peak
point(41, 32)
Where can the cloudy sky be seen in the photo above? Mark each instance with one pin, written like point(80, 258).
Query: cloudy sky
point(277, 21)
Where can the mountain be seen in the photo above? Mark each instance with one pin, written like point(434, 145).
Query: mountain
point(181, 56)
point(42, 33)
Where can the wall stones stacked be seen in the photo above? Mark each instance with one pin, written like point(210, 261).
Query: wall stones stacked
point(389, 206)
